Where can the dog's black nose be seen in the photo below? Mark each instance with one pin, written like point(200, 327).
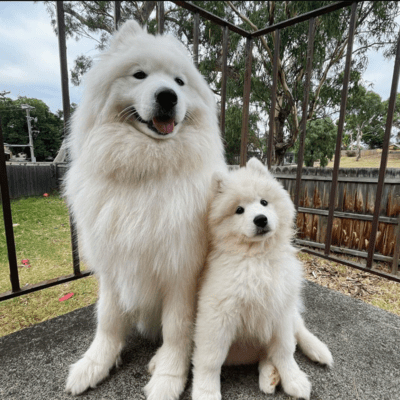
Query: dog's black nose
point(260, 220)
point(167, 99)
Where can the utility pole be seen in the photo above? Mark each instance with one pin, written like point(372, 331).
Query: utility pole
point(29, 119)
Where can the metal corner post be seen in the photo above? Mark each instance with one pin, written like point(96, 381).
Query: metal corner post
point(246, 102)
point(67, 114)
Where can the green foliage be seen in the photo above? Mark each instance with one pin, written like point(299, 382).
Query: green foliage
point(376, 28)
point(320, 142)
point(396, 117)
point(49, 127)
point(233, 128)
point(365, 117)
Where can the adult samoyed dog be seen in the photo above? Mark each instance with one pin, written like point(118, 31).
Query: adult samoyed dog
point(249, 300)
point(144, 144)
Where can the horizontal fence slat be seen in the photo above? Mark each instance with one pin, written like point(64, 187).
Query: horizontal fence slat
point(348, 215)
point(340, 179)
point(211, 17)
point(43, 285)
point(352, 264)
point(303, 17)
point(342, 250)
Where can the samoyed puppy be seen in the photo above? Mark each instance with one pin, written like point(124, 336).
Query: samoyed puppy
point(249, 298)
point(144, 144)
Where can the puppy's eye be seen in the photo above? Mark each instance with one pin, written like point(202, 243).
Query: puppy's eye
point(140, 75)
point(240, 210)
point(264, 202)
point(179, 81)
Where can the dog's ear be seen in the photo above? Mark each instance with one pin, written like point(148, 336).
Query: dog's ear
point(256, 165)
point(126, 31)
point(217, 182)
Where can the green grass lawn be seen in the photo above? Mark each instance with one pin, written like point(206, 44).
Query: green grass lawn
point(42, 235)
point(368, 161)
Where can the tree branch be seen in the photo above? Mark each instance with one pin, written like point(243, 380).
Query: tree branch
point(281, 73)
point(84, 21)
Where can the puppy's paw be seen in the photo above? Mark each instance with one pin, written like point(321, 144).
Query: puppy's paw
point(298, 386)
point(268, 379)
point(85, 374)
point(201, 394)
point(152, 364)
point(321, 354)
point(164, 387)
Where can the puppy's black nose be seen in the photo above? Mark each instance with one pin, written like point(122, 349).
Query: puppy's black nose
point(167, 99)
point(260, 220)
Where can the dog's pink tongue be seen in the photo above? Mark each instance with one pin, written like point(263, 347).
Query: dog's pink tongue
point(164, 126)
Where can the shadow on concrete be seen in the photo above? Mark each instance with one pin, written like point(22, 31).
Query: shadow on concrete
point(364, 340)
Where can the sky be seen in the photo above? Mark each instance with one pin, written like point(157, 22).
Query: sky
point(29, 60)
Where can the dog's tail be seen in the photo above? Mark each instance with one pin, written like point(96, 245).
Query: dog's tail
point(310, 345)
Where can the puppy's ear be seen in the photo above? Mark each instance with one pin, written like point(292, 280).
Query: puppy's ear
point(256, 165)
point(126, 31)
point(218, 181)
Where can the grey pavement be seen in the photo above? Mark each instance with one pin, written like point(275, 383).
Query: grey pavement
point(364, 340)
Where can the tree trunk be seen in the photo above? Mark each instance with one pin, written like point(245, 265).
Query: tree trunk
point(280, 156)
point(359, 134)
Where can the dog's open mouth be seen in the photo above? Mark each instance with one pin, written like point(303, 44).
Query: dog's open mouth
point(162, 125)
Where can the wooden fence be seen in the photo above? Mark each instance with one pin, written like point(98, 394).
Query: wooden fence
point(31, 179)
point(354, 209)
point(354, 205)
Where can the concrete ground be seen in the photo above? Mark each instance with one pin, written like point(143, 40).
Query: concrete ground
point(364, 340)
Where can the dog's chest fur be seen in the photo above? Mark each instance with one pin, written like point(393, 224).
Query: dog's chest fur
point(256, 291)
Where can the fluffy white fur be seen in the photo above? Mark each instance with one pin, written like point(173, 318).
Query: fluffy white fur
point(139, 199)
point(249, 300)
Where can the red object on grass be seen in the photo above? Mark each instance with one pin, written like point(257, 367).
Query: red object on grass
point(45, 195)
point(25, 261)
point(66, 297)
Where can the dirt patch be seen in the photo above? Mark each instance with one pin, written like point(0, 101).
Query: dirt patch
point(369, 288)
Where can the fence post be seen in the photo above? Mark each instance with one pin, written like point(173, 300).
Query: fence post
point(66, 107)
point(117, 14)
point(300, 155)
point(246, 102)
point(224, 69)
point(8, 225)
point(271, 133)
point(196, 25)
point(160, 17)
point(335, 173)
point(384, 157)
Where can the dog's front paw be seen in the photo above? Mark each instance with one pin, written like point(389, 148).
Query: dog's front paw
point(164, 387)
point(85, 374)
point(298, 386)
point(201, 394)
point(268, 379)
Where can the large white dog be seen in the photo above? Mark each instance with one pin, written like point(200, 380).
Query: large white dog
point(250, 291)
point(144, 144)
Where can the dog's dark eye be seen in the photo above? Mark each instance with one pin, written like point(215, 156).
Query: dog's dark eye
point(179, 81)
point(140, 75)
point(264, 202)
point(240, 210)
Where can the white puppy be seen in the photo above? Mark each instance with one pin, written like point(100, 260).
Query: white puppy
point(144, 144)
point(250, 290)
